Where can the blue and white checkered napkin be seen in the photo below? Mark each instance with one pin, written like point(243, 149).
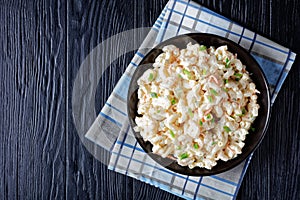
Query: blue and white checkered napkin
point(127, 157)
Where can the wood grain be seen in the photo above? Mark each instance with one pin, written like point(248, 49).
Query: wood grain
point(32, 100)
point(43, 46)
point(89, 24)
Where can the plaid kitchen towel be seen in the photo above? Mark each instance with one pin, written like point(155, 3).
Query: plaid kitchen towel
point(127, 157)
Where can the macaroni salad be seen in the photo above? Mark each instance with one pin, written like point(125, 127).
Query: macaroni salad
point(196, 105)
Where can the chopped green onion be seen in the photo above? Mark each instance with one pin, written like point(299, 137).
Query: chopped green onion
point(153, 95)
point(213, 120)
point(213, 143)
point(178, 147)
point(173, 101)
point(208, 116)
point(191, 114)
point(179, 76)
point(200, 123)
point(227, 129)
point(239, 75)
point(214, 92)
point(232, 117)
point(210, 99)
point(227, 64)
point(183, 156)
point(244, 111)
point(151, 77)
point(204, 71)
point(202, 48)
point(172, 134)
point(224, 89)
point(188, 73)
point(225, 81)
point(252, 129)
point(158, 111)
point(196, 146)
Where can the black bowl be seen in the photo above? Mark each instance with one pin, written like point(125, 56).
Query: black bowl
point(253, 139)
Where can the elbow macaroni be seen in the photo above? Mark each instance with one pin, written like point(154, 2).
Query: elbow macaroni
point(196, 105)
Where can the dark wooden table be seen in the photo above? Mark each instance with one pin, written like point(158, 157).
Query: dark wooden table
point(43, 44)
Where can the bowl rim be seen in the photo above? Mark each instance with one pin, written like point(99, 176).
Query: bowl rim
point(156, 157)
